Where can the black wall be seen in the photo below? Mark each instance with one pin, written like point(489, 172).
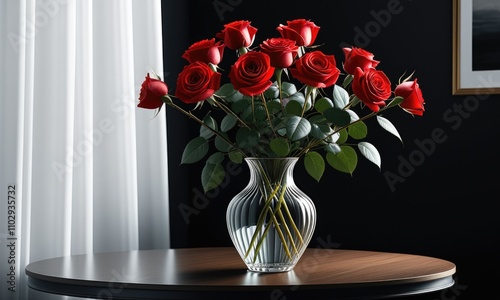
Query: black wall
point(444, 201)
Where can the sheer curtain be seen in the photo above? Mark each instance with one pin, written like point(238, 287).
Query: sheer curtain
point(83, 170)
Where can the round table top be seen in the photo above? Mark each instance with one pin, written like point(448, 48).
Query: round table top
point(215, 273)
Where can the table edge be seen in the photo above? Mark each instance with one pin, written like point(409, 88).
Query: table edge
point(250, 292)
point(403, 286)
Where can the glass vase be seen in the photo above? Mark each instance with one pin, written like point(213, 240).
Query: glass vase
point(271, 221)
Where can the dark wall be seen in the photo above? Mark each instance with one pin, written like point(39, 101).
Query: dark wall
point(442, 198)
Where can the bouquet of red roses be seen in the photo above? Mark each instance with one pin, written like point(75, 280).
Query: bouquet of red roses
point(276, 102)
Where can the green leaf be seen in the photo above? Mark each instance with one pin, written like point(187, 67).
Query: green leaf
point(195, 150)
point(293, 108)
point(228, 122)
point(280, 146)
point(337, 116)
point(299, 97)
point(274, 106)
point(212, 176)
point(355, 100)
point(396, 101)
point(236, 156)
point(297, 128)
point(343, 135)
point(323, 104)
point(314, 164)
point(358, 130)
point(228, 92)
point(320, 131)
point(333, 148)
point(247, 114)
point(225, 90)
point(281, 131)
point(354, 116)
point(318, 119)
point(294, 146)
point(272, 92)
point(247, 138)
point(340, 97)
point(344, 161)
point(260, 113)
point(288, 88)
point(221, 144)
point(210, 122)
point(370, 152)
point(334, 138)
point(240, 105)
point(347, 80)
point(216, 158)
point(387, 125)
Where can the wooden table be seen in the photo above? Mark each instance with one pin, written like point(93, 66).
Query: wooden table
point(219, 273)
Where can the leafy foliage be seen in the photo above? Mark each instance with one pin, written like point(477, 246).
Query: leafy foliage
point(273, 127)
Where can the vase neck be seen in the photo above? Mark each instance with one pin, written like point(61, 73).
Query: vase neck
point(272, 170)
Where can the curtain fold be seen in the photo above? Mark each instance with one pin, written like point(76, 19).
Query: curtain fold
point(83, 170)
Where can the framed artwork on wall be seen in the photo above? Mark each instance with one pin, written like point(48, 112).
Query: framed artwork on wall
point(476, 47)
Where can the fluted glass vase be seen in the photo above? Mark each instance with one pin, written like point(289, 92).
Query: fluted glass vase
point(271, 221)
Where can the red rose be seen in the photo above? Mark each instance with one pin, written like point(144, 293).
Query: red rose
point(316, 69)
point(372, 87)
point(413, 101)
point(357, 57)
point(207, 51)
point(281, 51)
point(196, 83)
point(152, 91)
point(251, 73)
point(237, 34)
point(303, 32)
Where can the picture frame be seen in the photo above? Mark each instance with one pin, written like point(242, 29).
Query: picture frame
point(476, 50)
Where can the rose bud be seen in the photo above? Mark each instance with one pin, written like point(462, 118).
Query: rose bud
point(237, 34)
point(301, 31)
point(281, 51)
point(413, 100)
point(357, 57)
point(152, 92)
point(207, 51)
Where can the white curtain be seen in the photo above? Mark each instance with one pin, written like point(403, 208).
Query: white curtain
point(82, 168)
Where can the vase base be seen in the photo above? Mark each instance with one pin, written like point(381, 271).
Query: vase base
point(270, 268)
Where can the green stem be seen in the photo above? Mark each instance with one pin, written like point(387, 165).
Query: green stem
point(293, 223)
point(253, 109)
point(277, 74)
point(268, 115)
point(309, 92)
point(276, 226)
point(261, 219)
point(280, 234)
point(230, 112)
point(287, 230)
point(191, 116)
